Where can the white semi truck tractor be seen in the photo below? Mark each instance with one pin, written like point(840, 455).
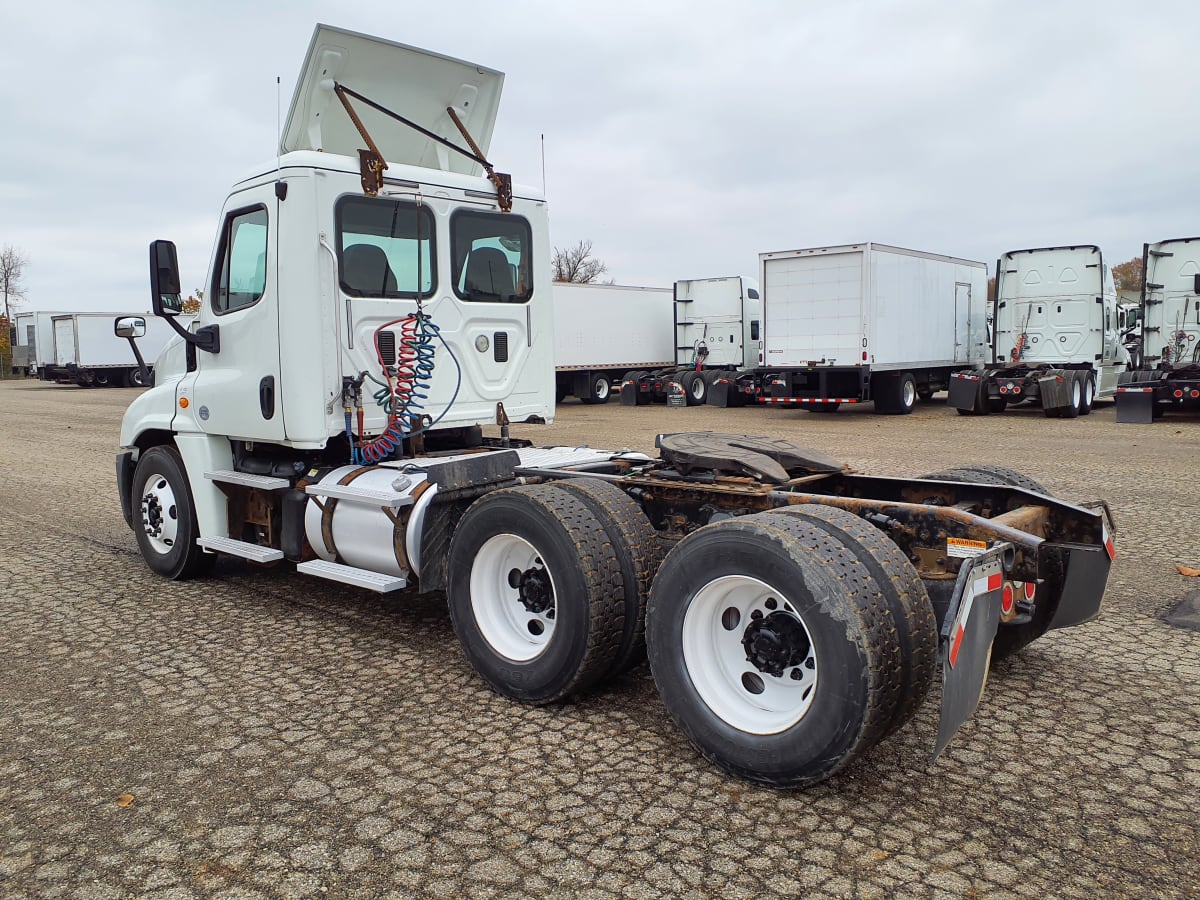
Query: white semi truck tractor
point(379, 294)
point(1167, 377)
point(1057, 338)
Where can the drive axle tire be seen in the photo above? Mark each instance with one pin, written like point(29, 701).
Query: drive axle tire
point(1089, 395)
point(638, 551)
point(898, 582)
point(1010, 639)
point(535, 593)
point(695, 387)
point(164, 516)
point(772, 649)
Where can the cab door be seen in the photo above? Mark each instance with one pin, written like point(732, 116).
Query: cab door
point(235, 392)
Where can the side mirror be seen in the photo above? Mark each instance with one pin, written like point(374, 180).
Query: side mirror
point(129, 327)
point(166, 296)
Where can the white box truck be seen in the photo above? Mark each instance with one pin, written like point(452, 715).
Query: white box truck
point(87, 352)
point(33, 347)
point(605, 334)
point(328, 411)
point(863, 322)
point(1168, 374)
point(1057, 335)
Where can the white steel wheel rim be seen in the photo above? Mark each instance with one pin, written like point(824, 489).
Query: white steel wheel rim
point(1091, 393)
point(511, 628)
point(602, 388)
point(1076, 394)
point(698, 388)
point(160, 514)
point(909, 393)
point(734, 688)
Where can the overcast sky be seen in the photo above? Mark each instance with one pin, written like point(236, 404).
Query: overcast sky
point(682, 139)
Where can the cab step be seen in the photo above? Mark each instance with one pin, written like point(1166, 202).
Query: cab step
point(244, 549)
point(367, 496)
point(245, 479)
point(364, 578)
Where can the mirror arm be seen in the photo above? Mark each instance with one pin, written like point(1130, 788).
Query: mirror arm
point(207, 338)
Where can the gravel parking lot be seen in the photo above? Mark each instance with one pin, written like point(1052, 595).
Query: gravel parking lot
point(260, 733)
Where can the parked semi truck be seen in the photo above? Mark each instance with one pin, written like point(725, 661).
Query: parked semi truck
point(862, 322)
point(606, 333)
point(1057, 339)
point(328, 411)
point(716, 331)
point(1168, 374)
point(87, 352)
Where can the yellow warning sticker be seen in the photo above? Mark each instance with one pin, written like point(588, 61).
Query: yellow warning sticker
point(964, 548)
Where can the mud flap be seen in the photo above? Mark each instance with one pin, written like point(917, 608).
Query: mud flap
point(720, 392)
point(629, 393)
point(964, 391)
point(1135, 406)
point(1083, 587)
point(967, 634)
point(1055, 389)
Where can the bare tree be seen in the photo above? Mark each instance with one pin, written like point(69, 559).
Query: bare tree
point(12, 268)
point(1128, 275)
point(577, 264)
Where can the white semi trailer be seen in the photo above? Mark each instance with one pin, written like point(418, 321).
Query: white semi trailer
point(607, 333)
point(87, 352)
point(1168, 374)
point(365, 319)
point(1058, 338)
point(863, 322)
point(717, 325)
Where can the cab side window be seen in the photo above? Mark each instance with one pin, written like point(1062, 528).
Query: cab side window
point(241, 275)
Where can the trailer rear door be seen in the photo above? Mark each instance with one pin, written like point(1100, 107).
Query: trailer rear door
point(812, 308)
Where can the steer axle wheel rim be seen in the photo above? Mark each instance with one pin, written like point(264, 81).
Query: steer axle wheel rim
point(160, 514)
point(749, 655)
point(513, 597)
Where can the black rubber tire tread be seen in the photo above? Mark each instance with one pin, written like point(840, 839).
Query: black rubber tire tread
point(688, 380)
point(1072, 411)
point(594, 398)
point(916, 625)
point(1085, 407)
point(134, 379)
point(843, 604)
point(639, 552)
point(984, 474)
point(569, 529)
point(186, 560)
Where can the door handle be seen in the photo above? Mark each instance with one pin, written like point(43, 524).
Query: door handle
point(266, 397)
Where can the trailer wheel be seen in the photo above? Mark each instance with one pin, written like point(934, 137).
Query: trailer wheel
point(599, 389)
point(535, 593)
point(638, 551)
point(695, 387)
point(772, 649)
point(1089, 394)
point(165, 518)
point(898, 582)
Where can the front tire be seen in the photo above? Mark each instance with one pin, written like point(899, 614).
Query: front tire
point(772, 649)
point(599, 390)
point(165, 517)
point(535, 593)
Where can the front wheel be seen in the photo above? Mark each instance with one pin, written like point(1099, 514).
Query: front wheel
point(165, 520)
point(535, 593)
point(769, 649)
point(135, 378)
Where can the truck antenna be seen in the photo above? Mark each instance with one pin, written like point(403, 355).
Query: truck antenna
point(278, 127)
point(543, 164)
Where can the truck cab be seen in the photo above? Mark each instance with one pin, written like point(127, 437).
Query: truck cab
point(314, 285)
